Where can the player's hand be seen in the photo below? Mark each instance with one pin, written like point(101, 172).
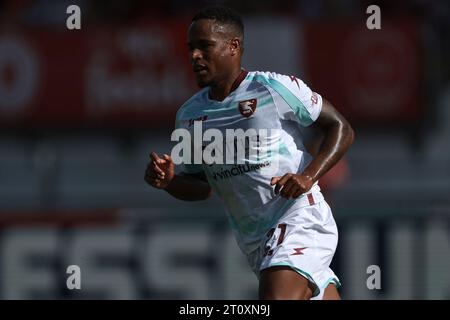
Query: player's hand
point(160, 171)
point(292, 185)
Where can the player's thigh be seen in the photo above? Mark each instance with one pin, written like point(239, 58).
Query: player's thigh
point(331, 293)
point(283, 283)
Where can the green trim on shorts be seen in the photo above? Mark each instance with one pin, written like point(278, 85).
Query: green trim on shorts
point(301, 272)
point(333, 280)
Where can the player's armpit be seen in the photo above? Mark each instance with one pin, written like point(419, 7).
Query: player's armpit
point(329, 117)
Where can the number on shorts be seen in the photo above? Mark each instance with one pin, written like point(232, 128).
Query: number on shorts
point(267, 250)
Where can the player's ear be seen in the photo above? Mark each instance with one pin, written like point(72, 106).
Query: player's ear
point(235, 45)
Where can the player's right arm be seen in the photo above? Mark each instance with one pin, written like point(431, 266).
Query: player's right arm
point(160, 174)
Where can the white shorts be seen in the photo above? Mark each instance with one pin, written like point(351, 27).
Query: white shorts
point(305, 239)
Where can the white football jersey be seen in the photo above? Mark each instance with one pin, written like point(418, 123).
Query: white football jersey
point(271, 108)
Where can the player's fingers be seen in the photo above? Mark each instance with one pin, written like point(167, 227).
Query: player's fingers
point(274, 180)
point(278, 186)
point(156, 158)
point(157, 169)
point(281, 182)
point(167, 158)
point(158, 176)
point(153, 181)
point(289, 188)
point(297, 193)
point(152, 173)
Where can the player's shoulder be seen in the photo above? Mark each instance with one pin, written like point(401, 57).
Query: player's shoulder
point(279, 82)
point(267, 77)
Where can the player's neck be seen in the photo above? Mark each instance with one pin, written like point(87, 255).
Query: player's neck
point(222, 89)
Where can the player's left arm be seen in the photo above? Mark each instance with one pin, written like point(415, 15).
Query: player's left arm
point(338, 137)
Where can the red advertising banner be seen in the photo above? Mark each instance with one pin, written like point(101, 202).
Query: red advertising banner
point(133, 76)
point(139, 75)
point(371, 76)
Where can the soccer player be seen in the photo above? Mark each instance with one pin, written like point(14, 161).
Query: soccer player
point(281, 221)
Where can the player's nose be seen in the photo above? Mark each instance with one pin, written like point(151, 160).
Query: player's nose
point(195, 55)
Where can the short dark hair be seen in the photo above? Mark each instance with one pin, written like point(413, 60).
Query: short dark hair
point(221, 14)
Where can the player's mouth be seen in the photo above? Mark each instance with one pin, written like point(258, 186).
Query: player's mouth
point(200, 69)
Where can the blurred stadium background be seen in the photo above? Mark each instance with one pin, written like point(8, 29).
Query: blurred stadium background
point(81, 110)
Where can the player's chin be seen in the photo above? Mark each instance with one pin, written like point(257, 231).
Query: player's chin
point(202, 81)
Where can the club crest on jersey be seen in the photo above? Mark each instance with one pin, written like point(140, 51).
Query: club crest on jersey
point(247, 107)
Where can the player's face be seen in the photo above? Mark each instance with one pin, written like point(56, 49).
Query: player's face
point(209, 52)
